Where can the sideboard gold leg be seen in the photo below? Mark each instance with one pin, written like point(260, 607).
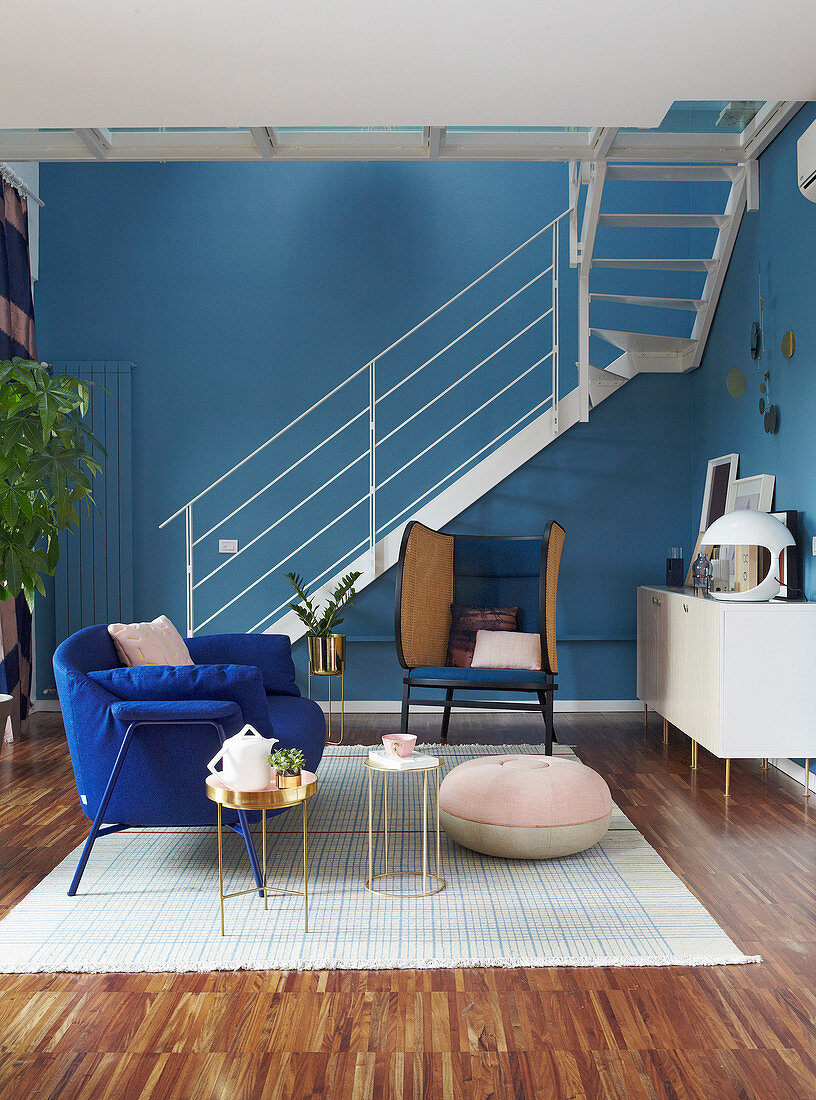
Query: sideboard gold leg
point(728, 777)
point(645, 715)
point(693, 755)
point(765, 763)
point(807, 778)
point(665, 731)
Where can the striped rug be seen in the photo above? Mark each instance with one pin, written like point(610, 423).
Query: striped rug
point(149, 898)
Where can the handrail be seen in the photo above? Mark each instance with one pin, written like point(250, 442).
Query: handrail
point(355, 374)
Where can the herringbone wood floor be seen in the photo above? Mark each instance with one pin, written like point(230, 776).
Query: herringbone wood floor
point(706, 1033)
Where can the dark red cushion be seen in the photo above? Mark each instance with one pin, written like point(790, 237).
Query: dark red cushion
point(466, 621)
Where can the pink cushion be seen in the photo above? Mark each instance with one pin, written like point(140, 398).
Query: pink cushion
point(156, 643)
point(525, 791)
point(506, 649)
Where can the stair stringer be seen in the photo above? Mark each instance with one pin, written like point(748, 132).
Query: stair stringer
point(457, 497)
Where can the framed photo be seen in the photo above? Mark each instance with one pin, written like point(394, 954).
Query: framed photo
point(720, 476)
point(754, 493)
point(790, 562)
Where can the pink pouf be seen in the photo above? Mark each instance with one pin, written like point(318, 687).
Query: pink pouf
point(524, 807)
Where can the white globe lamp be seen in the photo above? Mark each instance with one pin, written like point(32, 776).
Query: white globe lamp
point(749, 528)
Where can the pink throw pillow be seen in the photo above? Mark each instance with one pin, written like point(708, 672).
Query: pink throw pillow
point(156, 643)
point(507, 649)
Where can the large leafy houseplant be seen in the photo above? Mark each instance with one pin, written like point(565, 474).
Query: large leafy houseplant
point(45, 464)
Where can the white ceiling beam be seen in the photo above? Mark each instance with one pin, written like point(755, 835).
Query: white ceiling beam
point(434, 138)
point(266, 140)
point(766, 124)
point(97, 140)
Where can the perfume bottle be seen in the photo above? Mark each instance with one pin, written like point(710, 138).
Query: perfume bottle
point(701, 573)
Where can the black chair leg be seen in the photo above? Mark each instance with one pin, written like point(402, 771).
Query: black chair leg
point(545, 698)
point(446, 716)
point(406, 703)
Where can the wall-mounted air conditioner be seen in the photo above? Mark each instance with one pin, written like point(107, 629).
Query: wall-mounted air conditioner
point(806, 162)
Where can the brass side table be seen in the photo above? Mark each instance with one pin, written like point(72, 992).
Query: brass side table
point(426, 876)
point(270, 798)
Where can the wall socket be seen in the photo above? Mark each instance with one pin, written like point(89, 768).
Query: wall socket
point(814, 546)
point(228, 546)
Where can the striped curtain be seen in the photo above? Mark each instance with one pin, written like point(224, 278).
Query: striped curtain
point(16, 338)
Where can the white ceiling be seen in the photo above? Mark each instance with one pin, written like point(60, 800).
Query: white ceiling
point(392, 62)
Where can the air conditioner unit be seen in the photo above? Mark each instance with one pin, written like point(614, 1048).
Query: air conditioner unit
point(806, 162)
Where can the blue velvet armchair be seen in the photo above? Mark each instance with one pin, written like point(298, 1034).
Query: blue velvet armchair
point(140, 738)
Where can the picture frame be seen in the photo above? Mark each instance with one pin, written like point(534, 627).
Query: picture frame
point(755, 493)
point(720, 476)
point(790, 562)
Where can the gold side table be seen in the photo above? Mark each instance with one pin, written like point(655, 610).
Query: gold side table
point(270, 798)
point(426, 876)
point(327, 657)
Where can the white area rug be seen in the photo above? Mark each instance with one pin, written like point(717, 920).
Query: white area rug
point(149, 898)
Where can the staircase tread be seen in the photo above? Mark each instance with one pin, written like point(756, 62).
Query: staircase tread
point(628, 341)
point(660, 221)
point(678, 263)
point(657, 301)
point(673, 172)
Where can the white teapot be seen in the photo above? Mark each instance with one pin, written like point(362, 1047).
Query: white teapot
point(246, 760)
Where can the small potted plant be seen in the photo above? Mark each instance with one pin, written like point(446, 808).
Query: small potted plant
point(325, 646)
point(288, 763)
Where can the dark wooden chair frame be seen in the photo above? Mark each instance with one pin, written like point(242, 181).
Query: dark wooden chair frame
point(544, 692)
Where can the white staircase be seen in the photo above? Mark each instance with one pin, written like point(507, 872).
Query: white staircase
point(644, 350)
point(513, 410)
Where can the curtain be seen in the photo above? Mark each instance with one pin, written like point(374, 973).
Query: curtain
point(16, 338)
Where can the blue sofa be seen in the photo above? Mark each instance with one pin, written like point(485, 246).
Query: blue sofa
point(140, 738)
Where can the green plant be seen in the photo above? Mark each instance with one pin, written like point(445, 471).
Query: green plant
point(44, 467)
point(322, 623)
point(287, 761)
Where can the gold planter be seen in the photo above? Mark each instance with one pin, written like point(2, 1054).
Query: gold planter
point(327, 657)
point(326, 654)
point(285, 781)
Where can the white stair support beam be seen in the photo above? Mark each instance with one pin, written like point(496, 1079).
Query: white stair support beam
point(189, 543)
point(583, 348)
point(735, 207)
point(769, 121)
point(434, 137)
point(555, 326)
point(752, 185)
point(603, 138)
point(574, 192)
point(97, 140)
point(592, 211)
point(372, 463)
point(265, 139)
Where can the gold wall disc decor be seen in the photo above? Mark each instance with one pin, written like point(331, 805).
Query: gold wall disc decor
point(735, 382)
point(789, 344)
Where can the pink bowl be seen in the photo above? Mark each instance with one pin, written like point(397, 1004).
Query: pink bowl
point(400, 744)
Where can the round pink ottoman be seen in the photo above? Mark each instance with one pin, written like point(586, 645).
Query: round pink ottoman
point(524, 807)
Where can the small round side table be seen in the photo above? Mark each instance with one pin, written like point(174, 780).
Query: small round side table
point(270, 798)
point(431, 884)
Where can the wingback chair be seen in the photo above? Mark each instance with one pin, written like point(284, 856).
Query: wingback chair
point(140, 738)
point(436, 570)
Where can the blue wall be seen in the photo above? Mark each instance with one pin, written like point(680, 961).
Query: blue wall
point(777, 246)
point(244, 291)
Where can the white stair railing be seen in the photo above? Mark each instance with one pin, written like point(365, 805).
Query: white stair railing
point(366, 467)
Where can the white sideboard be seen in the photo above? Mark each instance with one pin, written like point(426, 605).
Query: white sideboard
point(738, 678)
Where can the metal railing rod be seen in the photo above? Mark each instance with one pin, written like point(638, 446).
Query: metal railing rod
point(467, 374)
point(280, 519)
point(312, 583)
point(275, 480)
point(462, 335)
point(271, 439)
point(475, 282)
point(461, 466)
point(283, 561)
point(470, 416)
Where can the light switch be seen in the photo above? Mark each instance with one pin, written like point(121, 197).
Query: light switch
point(228, 546)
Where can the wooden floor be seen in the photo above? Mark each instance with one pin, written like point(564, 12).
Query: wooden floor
point(718, 1032)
